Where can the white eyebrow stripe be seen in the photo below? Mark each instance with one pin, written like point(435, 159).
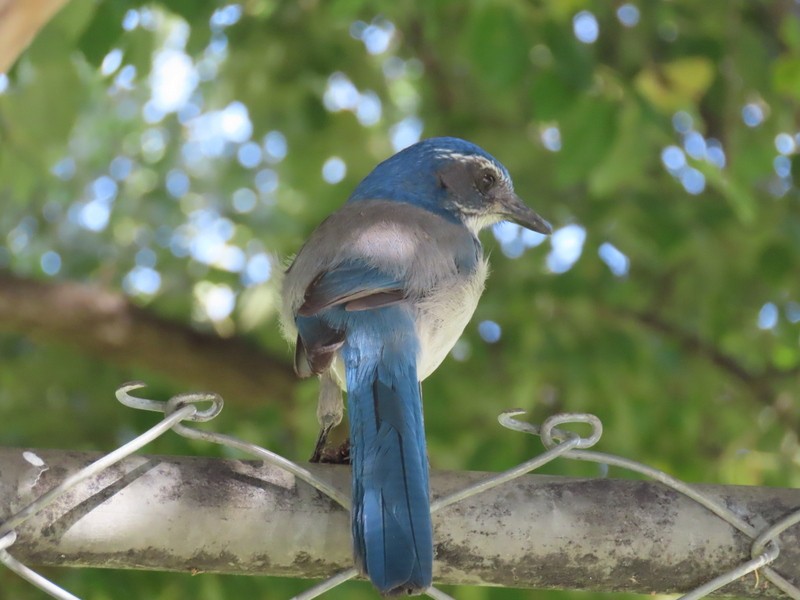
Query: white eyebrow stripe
point(475, 158)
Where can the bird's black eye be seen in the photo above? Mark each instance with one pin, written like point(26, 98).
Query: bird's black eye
point(488, 179)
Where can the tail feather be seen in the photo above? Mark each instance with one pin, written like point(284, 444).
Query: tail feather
point(391, 506)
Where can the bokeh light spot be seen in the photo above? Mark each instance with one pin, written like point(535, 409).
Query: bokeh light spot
point(616, 261)
point(768, 316)
point(628, 15)
point(567, 246)
point(752, 115)
point(490, 331)
point(50, 262)
point(334, 170)
point(585, 27)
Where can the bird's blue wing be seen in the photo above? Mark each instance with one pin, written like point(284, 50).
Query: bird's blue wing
point(351, 286)
point(354, 284)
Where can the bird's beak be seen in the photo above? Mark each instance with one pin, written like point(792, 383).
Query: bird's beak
point(514, 209)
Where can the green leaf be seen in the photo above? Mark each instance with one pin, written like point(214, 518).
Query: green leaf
point(785, 357)
point(790, 31)
point(137, 47)
point(39, 121)
point(677, 84)
point(587, 133)
point(551, 96)
point(573, 61)
point(739, 197)
point(786, 76)
point(776, 263)
point(103, 31)
point(498, 45)
point(628, 157)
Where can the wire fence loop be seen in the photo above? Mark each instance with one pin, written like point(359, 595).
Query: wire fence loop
point(551, 435)
point(557, 441)
point(170, 406)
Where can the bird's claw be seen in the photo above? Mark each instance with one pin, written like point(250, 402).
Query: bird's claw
point(339, 455)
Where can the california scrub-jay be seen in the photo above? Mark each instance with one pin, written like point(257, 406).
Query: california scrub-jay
point(376, 299)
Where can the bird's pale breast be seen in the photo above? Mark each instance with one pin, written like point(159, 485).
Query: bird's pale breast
point(444, 313)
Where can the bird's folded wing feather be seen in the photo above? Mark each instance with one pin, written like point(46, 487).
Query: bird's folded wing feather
point(354, 284)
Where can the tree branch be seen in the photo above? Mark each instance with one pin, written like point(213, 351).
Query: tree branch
point(248, 517)
point(107, 325)
point(694, 343)
point(760, 383)
point(435, 72)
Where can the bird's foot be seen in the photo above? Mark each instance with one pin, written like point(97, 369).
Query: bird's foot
point(340, 455)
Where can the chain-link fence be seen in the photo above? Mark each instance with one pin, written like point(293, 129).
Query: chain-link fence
point(743, 535)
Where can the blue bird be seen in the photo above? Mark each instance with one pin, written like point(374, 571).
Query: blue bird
point(375, 300)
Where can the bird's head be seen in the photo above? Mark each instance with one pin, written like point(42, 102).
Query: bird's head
point(454, 178)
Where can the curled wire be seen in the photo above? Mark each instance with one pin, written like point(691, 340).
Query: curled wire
point(570, 441)
point(29, 574)
point(7, 533)
point(176, 403)
point(549, 432)
point(171, 405)
point(765, 549)
point(557, 441)
point(97, 467)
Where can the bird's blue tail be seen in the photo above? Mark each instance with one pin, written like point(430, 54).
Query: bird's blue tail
point(391, 520)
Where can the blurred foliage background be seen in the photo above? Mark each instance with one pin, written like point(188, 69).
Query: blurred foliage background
point(156, 157)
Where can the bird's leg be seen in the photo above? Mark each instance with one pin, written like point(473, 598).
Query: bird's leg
point(330, 409)
point(322, 439)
